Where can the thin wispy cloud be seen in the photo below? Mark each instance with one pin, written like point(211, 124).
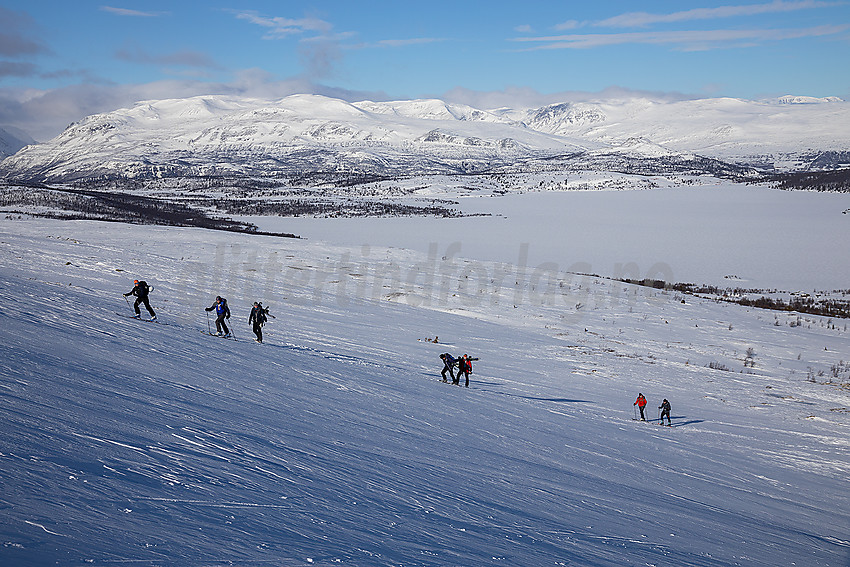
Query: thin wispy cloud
point(279, 28)
point(568, 25)
point(689, 40)
point(643, 19)
point(131, 13)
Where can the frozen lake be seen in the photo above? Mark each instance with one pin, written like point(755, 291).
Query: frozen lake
point(723, 234)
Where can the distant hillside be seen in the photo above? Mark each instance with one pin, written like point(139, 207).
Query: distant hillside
point(307, 136)
point(12, 140)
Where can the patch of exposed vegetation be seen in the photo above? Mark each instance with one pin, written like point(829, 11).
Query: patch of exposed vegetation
point(79, 204)
point(833, 180)
point(832, 304)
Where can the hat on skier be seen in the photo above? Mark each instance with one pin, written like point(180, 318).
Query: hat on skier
point(135, 281)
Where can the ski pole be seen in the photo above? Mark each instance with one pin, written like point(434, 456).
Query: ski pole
point(209, 329)
point(635, 408)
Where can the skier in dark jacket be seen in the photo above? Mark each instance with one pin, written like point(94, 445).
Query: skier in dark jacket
point(258, 317)
point(448, 363)
point(141, 290)
point(223, 312)
point(665, 410)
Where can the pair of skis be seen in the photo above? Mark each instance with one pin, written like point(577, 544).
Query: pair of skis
point(651, 421)
point(228, 336)
point(138, 318)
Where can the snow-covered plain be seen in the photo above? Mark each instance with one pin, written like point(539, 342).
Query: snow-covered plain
point(126, 442)
point(712, 232)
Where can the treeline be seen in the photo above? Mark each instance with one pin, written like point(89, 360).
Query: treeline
point(803, 304)
point(79, 204)
point(835, 180)
point(825, 307)
point(293, 207)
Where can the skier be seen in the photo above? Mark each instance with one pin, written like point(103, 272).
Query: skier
point(640, 402)
point(465, 368)
point(259, 316)
point(223, 312)
point(141, 290)
point(665, 410)
point(448, 362)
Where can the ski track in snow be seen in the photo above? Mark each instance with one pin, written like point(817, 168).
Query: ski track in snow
point(335, 442)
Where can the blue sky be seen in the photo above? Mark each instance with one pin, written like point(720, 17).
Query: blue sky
point(62, 60)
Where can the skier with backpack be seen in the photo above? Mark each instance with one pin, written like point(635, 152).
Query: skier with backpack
point(448, 363)
point(223, 312)
point(141, 290)
point(665, 410)
point(464, 368)
point(258, 317)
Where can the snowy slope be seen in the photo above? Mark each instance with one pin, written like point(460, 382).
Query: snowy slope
point(336, 443)
point(302, 134)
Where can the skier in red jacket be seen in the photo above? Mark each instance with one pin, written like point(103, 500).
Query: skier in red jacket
point(640, 402)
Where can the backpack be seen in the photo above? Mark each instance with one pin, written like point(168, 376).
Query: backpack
point(144, 288)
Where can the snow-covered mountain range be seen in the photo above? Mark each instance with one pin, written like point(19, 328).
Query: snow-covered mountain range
point(307, 135)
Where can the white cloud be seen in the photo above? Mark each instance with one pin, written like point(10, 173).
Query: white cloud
point(279, 28)
point(568, 25)
point(685, 40)
point(132, 13)
point(642, 19)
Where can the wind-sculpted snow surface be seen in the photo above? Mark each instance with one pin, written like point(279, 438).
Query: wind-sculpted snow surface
point(309, 134)
point(335, 442)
